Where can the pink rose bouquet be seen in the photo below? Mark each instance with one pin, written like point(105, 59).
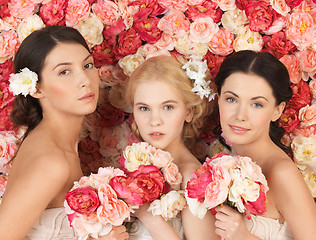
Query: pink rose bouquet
point(152, 177)
point(93, 206)
point(235, 181)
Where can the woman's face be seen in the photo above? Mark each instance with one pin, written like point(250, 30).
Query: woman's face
point(160, 113)
point(69, 80)
point(247, 106)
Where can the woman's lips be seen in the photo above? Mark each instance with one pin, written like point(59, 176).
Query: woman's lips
point(88, 97)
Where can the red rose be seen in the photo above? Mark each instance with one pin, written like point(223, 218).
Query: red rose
point(147, 29)
point(53, 13)
point(289, 119)
point(103, 54)
point(206, 9)
point(83, 200)
point(201, 177)
point(128, 42)
point(110, 32)
point(87, 145)
point(5, 122)
point(294, 3)
point(241, 4)
point(110, 116)
point(260, 15)
point(4, 11)
point(6, 97)
point(213, 62)
point(301, 95)
point(279, 43)
point(257, 207)
point(6, 68)
point(147, 7)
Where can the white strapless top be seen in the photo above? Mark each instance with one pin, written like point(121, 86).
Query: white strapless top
point(53, 224)
point(268, 228)
point(139, 232)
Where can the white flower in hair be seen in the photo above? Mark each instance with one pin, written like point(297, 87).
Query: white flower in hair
point(196, 70)
point(23, 82)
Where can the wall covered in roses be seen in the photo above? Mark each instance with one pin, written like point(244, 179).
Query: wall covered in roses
point(124, 33)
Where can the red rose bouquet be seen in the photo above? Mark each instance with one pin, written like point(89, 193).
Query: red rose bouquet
point(152, 177)
point(93, 206)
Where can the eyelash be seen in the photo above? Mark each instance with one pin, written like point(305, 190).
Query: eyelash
point(232, 100)
point(86, 66)
point(168, 107)
point(143, 109)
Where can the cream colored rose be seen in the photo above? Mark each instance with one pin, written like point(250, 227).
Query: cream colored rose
point(247, 40)
point(136, 155)
point(91, 29)
point(234, 19)
point(310, 180)
point(130, 62)
point(187, 47)
point(304, 150)
point(29, 25)
point(197, 209)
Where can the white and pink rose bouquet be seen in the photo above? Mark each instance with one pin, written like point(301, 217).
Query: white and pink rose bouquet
point(224, 179)
point(152, 178)
point(93, 206)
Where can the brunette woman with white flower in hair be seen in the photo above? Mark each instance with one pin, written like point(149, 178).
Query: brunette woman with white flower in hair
point(253, 89)
point(56, 85)
point(168, 114)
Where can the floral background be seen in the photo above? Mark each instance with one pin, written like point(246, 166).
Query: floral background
point(124, 33)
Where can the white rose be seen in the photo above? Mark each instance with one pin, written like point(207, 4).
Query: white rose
point(304, 150)
point(187, 47)
point(29, 25)
point(247, 40)
point(196, 208)
point(130, 62)
point(232, 20)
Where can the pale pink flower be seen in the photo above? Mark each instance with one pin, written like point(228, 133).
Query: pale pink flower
point(312, 85)
point(222, 42)
point(127, 12)
point(194, 2)
point(8, 148)
point(105, 75)
point(280, 6)
point(226, 5)
point(147, 49)
point(166, 42)
point(277, 25)
point(3, 184)
point(160, 158)
point(22, 9)
point(307, 115)
point(9, 43)
point(107, 11)
point(13, 22)
point(301, 30)
point(293, 67)
point(302, 131)
point(307, 60)
point(112, 210)
point(203, 29)
point(172, 175)
point(174, 23)
point(77, 10)
point(104, 175)
point(179, 5)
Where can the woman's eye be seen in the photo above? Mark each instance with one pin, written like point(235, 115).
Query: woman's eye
point(168, 107)
point(89, 65)
point(143, 108)
point(257, 105)
point(230, 99)
point(64, 72)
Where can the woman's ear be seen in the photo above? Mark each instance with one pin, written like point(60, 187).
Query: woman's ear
point(38, 94)
point(189, 116)
point(278, 111)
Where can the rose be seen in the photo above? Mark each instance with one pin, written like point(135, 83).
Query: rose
point(307, 115)
point(213, 62)
point(261, 15)
point(203, 29)
point(117, 98)
point(6, 69)
point(5, 123)
point(147, 29)
point(83, 200)
point(307, 60)
point(128, 42)
point(166, 42)
point(9, 44)
point(233, 20)
point(107, 11)
point(22, 9)
point(280, 6)
point(6, 96)
point(179, 5)
point(110, 115)
point(293, 67)
point(53, 13)
point(222, 42)
point(247, 40)
point(278, 25)
point(197, 185)
point(226, 5)
point(258, 206)
point(289, 119)
point(206, 8)
point(130, 62)
point(112, 210)
point(76, 11)
point(110, 32)
point(103, 54)
point(302, 131)
point(293, 3)
point(279, 43)
point(88, 146)
point(172, 175)
point(28, 25)
point(312, 86)
point(301, 95)
point(187, 47)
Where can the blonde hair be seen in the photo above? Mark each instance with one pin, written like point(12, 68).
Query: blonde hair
point(169, 70)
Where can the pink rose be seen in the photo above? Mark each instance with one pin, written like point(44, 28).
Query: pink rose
point(22, 9)
point(76, 11)
point(197, 185)
point(312, 86)
point(53, 13)
point(9, 43)
point(111, 32)
point(179, 5)
point(166, 42)
point(222, 42)
point(172, 175)
point(147, 29)
point(293, 67)
point(279, 44)
point(301, 95)
point(112, 210)
point(207, 8)
point(289, 119)
point(174, 23)
point(160, 158)
point(107, 11)
point(225, 5)
point(128, 42)
point(147, 7)
point(83, 200)
point(203, 29)
point(307, 60)
point(304, 131)
point(194, 2)
point(280, 6)
point(307, 115)
point(260, 15)
point(301, 30)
